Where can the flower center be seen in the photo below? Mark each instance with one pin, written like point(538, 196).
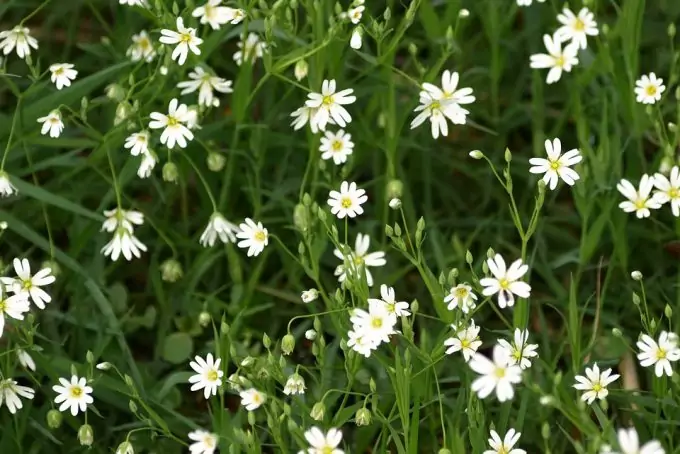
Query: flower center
point(597, 387)
point(27, 284)
point(172, 121)
point(640, 204)
point(326, 450)
point(673, 193)
point(76, 392)
point(504, 283)
point(465, 343)
point(3, 306)
point(358, 260)
point(337, 145)
point(500, 372)
point(661, 354)
point(185, 38)
point(346, 202)
point(503, 450)
point(54, 120)
point(517, 355)
point(59, 71)
point(554, 165)
point(461, 292)
point(327, 100)
point(579, 26)
point(376, 323)
point(260, 236)
point(650, 90)
point(209, 11)
point(209, 442)
point(257, 399)
point(435, 105)
point(560, 61)
point(144, 43)
point(212, 375)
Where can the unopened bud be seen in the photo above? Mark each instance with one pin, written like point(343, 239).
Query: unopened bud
point(301, 218)
point(476, 154)
point(216, 161)
point(125, 448)
point(86, 435)
point(301, 69)
point(170, 172)
point(318, 411)
point(103, 366)
point(463, 13)
point(636, 299)
point(363, 417)
point(171, 270)
point(115, 92)
point(310, 334)
point(636, 275)
point(54, 419)
point(668, 311)
point(309, 295)
point(287, 344)
point(395, 204)
point(468, 257)
point(204, 318)
point(508, 155)
point(395, 189)
point(616, 332)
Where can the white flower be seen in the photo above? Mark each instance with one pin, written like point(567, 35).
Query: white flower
point(14, 306)
point(74, 394)
point(147, 164)
point(52, 123)
point(388, 299)
point(309, 295)
point(450, 97)
point(62, 74)
point(301, 116)
point(576, 29)
point(138, 143)
point(361, 342)
point(594, 383)
point(205, 83)
point(434, 110)
point(669, 189)
point(310, 334)
point(505, 445)
point(378, 323)
point(215, 15)
point(141, 48)
point(10, 393)
point(557, 59)
point(124, 242)
point(329, 105)
point(104, 366)
point(125, 448)
point(465, 340)
point(355, 14)
point(253, 236)
point(174, 130)
point(122, 218)
point(323, 443)
point(252, 399)
point(6, 186)
point(20, 38)
point(218, 226)
point(204, 442)
point(208, 375)
point(185, 38)
point(557, 165)
point(192, 118)
point(648, 89)
point(639, 200)
point(359, 260)
point(25, 359)
point(527, 2)
point(348, 201)
point(29, 286)
point(336, 146)
point(250, 49)
point(498, 374)
point(659, 354)
point(395, 203)
point(141, 3)
point(520, 350)
point(294, 385)
point(629, 443)
point(505, 282)
point(461, 296)
point(355, 40)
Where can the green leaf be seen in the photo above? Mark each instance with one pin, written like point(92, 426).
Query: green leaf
point(38, 193)
point(177, 348)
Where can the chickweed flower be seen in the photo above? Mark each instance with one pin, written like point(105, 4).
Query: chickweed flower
point(309, 295)
point(377, 323)
point(215, 15)
point(252, 399)
point(25, 360)
point(62, 74)
point(208, 375)
point(594, 383)
point(505, 282)
point(465, 340)
point(250, 49)
point(146, 165)
point(451, 97)
point(649, 88)
point(576, 28)
point(388, 299)
point(504, 445)
point(294, 385)
point(14, 306)
point(639, 200)
point(355, 41)
point(323, 443)
point(74, 394)
point(557, 165)
point(10, 393)
point(205, 83)
point(557, 59)
point(185, 40)
point(336, 146)
point(174, 131)
point(6, 187)
point(498, 373)
point(629, 443)
point(520, 350)
point(123, 242)
point(19, 37)
point(355, 14)
point(348, 201)
point(203, 442)
point(461, 296)
point(125, 448)
point(137, 143)
point(359, 260)
point(668, 189)
point(141, 48)
point(218, 227)
point(434, 110)
point(29, 286)
point(659, 354)
point(122, 218)
point(253, 236)
point(52, 124)
point(329, 104)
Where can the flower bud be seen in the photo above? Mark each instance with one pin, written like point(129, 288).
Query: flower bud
point(309, 295)
point(310, 334)
point(616, 332)
point(104, 366)
point(355, 40)
point(476, 154)
point(215, 161)
point(301, 69)
point(170, 172)
point(125, 448)
point(204, 318)
point(54, 419)
point(668, 311)
point(636, 275)
point(247, 361)
point(508, 155)
point(115, 92)
point(266, 341)
point(395, 203)
point(287, 344)
point(468, 257)
point(395, 189)
point(301, 218)
point(363, 417)
point(636, 299)
point(86, 435)
point(318, 411)
point(464, 13)
point(89, 357)
point(171, 270)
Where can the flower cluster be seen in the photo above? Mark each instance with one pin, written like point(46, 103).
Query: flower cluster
point(641, 201)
